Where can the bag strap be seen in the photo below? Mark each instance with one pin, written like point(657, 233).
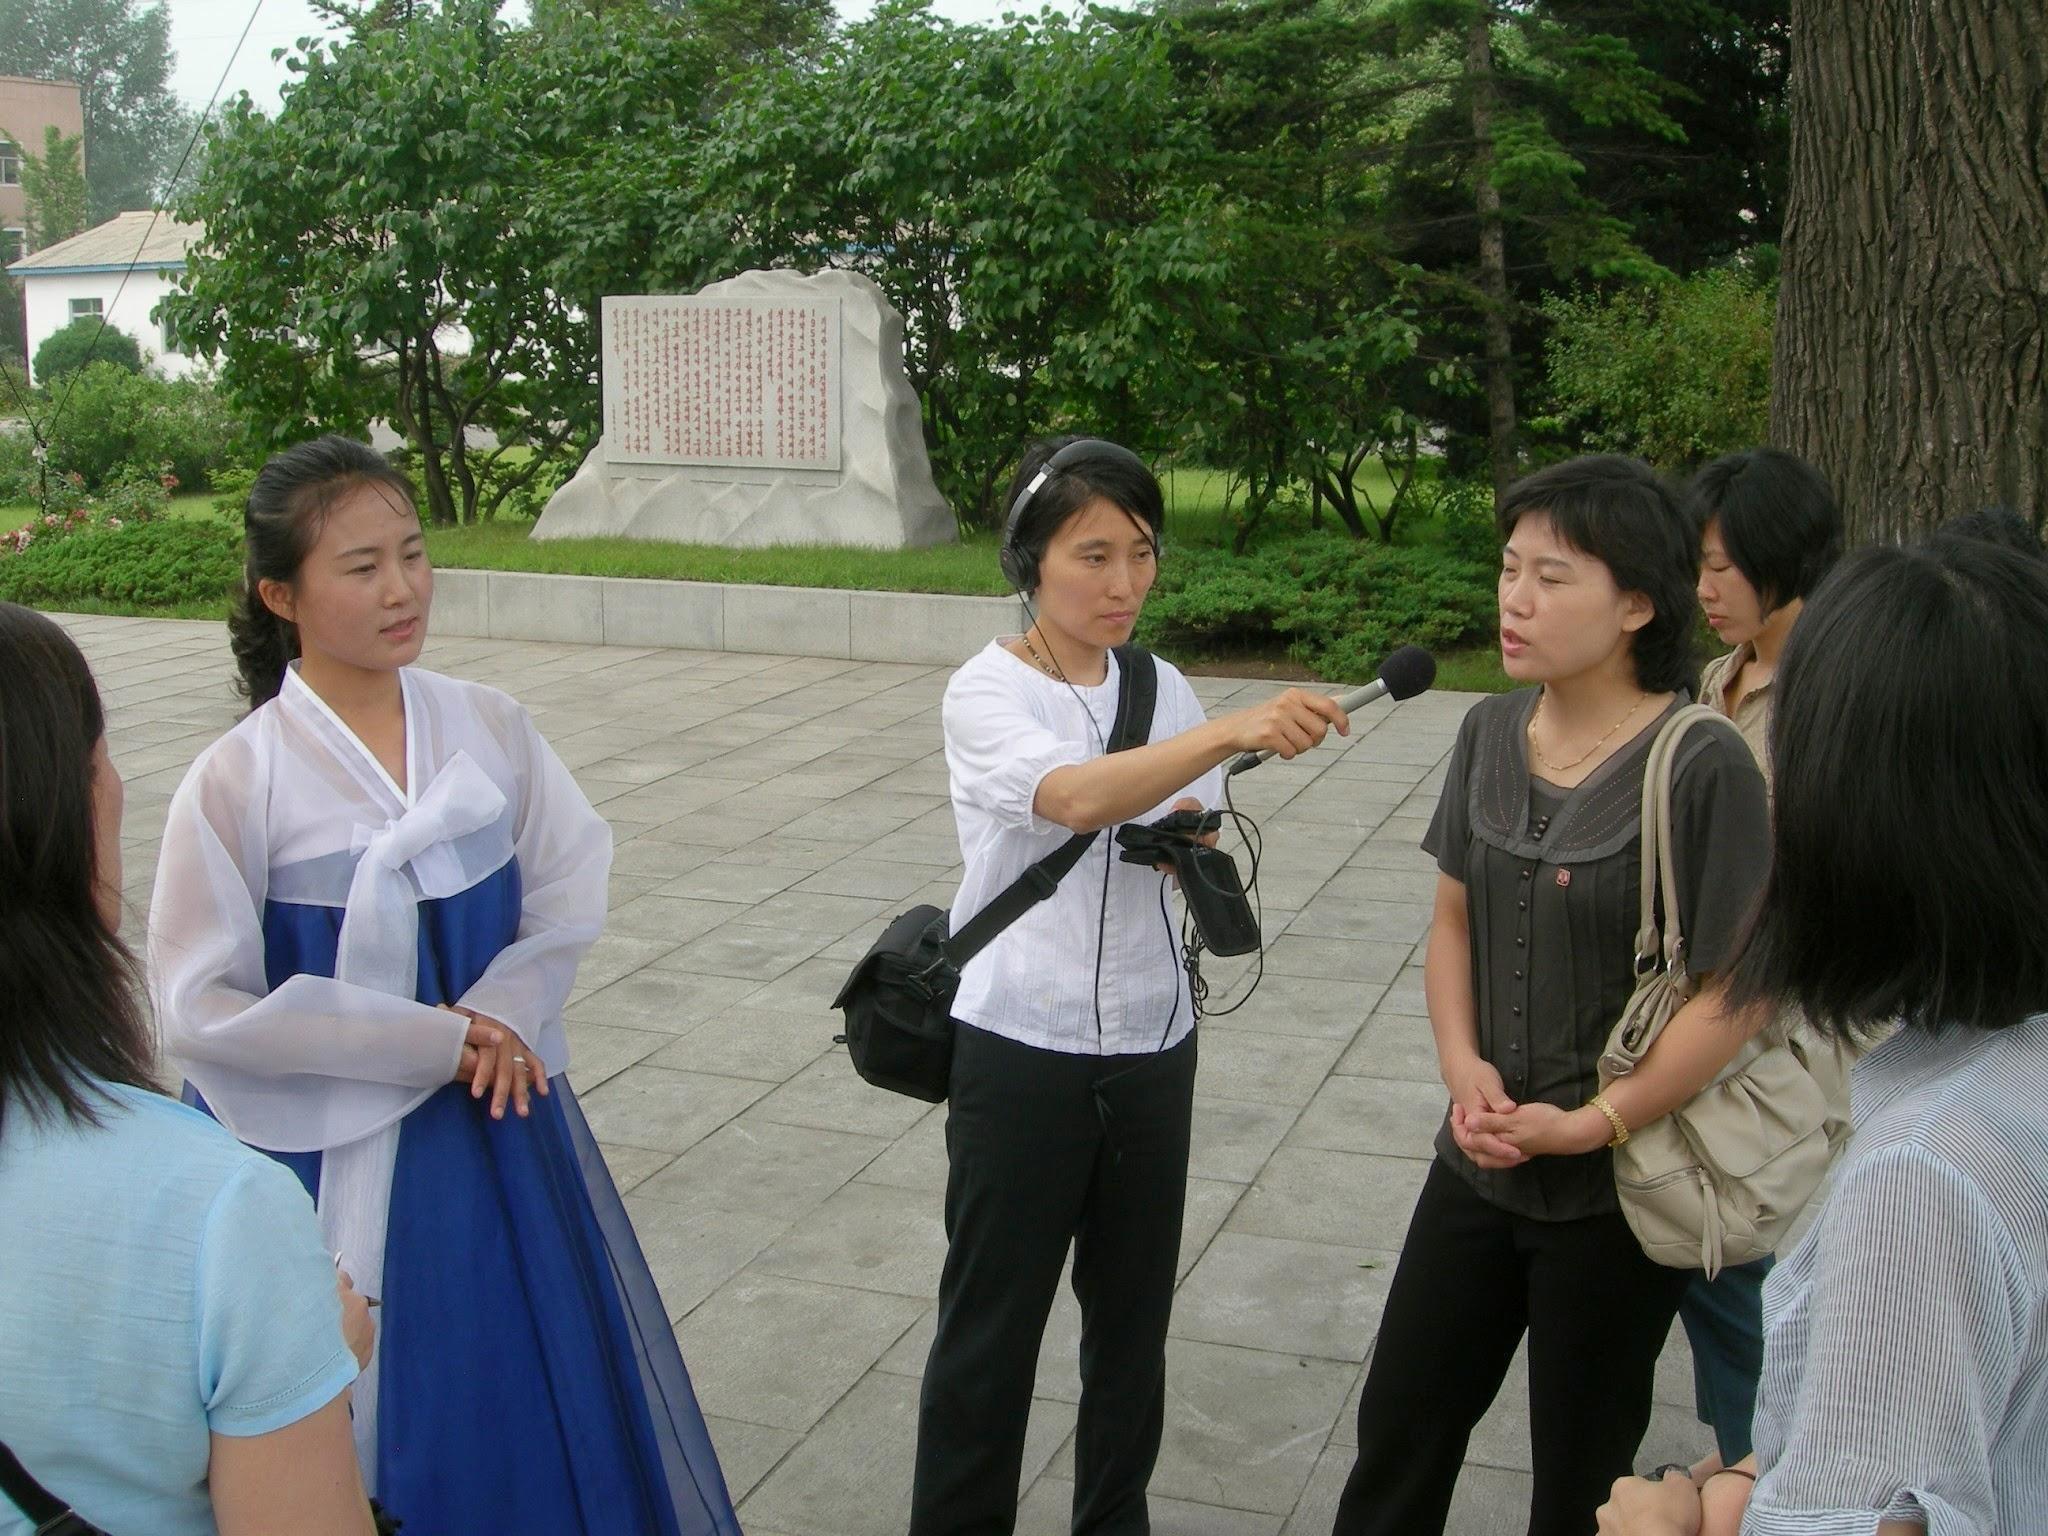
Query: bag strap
point(52, 1516)
point(1662, 947)
point(1137, 695)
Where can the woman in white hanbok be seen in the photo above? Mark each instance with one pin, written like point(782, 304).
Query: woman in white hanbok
point(372, 898)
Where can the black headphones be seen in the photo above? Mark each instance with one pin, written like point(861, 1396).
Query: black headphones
point(1020, 563)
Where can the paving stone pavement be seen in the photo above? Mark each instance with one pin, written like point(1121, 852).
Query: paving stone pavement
point(770, 812)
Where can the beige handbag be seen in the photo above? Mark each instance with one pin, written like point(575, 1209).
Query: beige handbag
point(1721, 1178)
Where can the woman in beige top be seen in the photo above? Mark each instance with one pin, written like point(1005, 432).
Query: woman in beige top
point(1770, 532)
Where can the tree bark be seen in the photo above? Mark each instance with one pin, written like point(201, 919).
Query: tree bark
point(1910, 362)
point(1493, 257)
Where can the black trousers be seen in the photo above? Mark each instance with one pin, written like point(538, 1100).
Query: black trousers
point(1045, 1149)
point(1472, 1279)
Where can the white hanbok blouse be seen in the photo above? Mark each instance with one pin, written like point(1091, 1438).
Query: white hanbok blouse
point(291, 806)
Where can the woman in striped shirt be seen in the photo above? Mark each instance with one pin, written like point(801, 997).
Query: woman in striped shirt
point(1905, 1381)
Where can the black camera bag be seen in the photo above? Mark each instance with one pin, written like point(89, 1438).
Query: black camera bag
point(899, 1000)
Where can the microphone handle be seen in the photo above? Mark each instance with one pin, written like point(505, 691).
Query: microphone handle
point(1357, 698)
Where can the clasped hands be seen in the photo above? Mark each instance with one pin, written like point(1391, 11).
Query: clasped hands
point(1496, 1132)
point(496, 1061)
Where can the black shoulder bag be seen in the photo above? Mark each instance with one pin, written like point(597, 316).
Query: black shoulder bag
point(899, 1000)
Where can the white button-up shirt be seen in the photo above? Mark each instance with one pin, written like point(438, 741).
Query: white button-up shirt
point(1095, 969)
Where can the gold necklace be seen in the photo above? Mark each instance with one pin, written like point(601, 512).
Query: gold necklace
point(1537, 714)
point(1043, 665)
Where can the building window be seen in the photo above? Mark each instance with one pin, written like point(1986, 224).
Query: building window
point(10, 164)
point(82, 308)
point(13, 245)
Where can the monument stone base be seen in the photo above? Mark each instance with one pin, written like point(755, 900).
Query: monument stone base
point(881, 496)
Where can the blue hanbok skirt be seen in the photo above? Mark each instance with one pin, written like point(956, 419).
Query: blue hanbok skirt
point(529, 1381)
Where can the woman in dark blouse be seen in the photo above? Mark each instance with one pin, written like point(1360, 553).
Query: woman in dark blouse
point(1530, 962)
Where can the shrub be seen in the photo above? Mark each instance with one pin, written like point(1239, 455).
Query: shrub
point(1676, 373)
point(1338, 605)
point(153, 564)
point(20, 475)
point(114, 423)
point(85, 340)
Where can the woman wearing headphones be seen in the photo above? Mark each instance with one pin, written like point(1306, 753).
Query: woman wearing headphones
point(1074, 1063)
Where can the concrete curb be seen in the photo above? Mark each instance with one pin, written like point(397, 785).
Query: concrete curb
point(930, 629)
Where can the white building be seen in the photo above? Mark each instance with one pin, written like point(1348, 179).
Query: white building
point(119, 270)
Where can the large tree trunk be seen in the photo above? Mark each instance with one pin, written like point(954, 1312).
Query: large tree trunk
point(1493, 252)
point(1910, 359)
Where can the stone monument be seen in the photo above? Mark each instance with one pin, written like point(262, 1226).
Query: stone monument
point(771, 408)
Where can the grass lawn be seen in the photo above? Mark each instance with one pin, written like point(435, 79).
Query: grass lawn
point(1196, 503)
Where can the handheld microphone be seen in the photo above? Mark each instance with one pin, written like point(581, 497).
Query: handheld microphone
point(1407, 672)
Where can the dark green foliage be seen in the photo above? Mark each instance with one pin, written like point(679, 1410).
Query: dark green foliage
point(153, 564)
point(85, 339)
point(1339, 606)
point(1721, 189)
point(114, 422)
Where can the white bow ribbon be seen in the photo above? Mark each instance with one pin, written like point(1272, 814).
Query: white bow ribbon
point(379, 950)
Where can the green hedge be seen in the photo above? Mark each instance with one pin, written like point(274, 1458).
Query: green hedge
point(158, 564)
point(1339, 606)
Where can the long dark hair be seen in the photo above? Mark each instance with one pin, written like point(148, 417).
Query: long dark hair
point(1909, 865)
point(287, 502)
point(1625, 515)
point(70, 991)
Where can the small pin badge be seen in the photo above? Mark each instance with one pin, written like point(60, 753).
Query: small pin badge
point(1564, 877)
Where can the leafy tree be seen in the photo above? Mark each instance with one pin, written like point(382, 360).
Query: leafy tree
point(85, 340)
point(53, 188)
point(1486, 199)
point(120, 56)
point(1311, 342)
point(1010, 191)
point(382, 247)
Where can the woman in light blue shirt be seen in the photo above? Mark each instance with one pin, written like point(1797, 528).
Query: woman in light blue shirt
point(1905, 1375)
point(174, 1345)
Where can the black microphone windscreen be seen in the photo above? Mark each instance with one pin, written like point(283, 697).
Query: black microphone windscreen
point(1407, 672)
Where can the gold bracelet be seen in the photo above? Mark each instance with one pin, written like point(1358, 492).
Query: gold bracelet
point(1599, 1102)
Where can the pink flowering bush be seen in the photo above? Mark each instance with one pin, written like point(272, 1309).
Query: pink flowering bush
point(73, 510)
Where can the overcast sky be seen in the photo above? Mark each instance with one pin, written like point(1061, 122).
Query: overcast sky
point(203, 33)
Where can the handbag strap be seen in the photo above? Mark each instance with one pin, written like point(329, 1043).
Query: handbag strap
point(1136, 696)
point(1661, 947)
point(52, 1516)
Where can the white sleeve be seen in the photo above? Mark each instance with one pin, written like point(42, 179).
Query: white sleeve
point(316, 1062)
point(1918, 1318)
point(1187, 713)
point(998, 751)
point(564, 849)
